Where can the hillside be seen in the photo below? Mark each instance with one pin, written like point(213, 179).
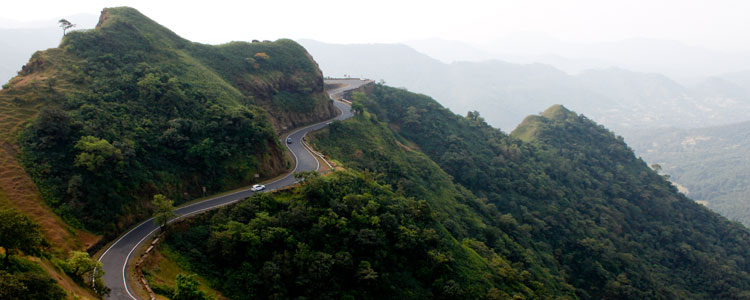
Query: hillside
point(561, 208)
point(91, 130)
point(610, 224)
point(176, 121)
point(711, 162)
point(506, 92)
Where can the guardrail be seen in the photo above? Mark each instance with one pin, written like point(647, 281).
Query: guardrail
point(316, 153)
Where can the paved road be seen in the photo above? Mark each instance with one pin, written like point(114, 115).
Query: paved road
point(344, 85)
point(115, 258)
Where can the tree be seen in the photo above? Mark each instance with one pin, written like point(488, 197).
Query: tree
point(18, 232)
point(29, 285)
point(95, 153)
point(305, 176)
point(186, 288)
point(11, 287)
point(358, 108)
point(65, 25)
point(164, 210)
point(81, 263)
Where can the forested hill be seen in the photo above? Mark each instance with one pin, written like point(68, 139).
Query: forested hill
point(608, 225)
point(435, 205)
point(129, 109)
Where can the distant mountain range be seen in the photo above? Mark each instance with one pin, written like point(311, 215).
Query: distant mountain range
point(505, 92)
point(645, 108)
point(671, 58)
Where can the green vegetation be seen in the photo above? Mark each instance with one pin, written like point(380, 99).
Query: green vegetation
point(129, 110)
point(571, 193)
point(21, 278)
point(711, 163)
point(344, 236)
point(30, 282)
point(435, 205)
point(164, 210)
point(187, 289)
point(163, 265)
point(18, 233)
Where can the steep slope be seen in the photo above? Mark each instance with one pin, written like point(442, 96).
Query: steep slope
point(597, 215)
point(130, 109)
point(346, 236)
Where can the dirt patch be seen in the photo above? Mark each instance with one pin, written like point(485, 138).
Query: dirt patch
point(21, 193)
point(403, 146)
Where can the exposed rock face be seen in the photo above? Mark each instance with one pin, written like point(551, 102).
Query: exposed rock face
point(284, 121)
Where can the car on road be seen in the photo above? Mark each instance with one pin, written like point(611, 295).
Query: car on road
point(288, 140)
point(258, 187)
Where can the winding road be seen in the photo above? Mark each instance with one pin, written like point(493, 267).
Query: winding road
point(115, 258)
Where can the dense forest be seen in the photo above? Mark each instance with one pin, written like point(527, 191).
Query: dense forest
point(712, 163)
point(559, 208)
point(346, 236)
point(615, 227)
point(130, 109)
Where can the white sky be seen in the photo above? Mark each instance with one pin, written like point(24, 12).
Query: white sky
point(716, 24)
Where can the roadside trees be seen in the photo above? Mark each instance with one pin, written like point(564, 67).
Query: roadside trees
point(164, 210)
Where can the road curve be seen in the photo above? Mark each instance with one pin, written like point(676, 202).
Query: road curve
point(116, 257)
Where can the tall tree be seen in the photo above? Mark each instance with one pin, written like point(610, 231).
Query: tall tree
point(65, 25)
point(18, 232)
point(164, 210)
point(81, 263)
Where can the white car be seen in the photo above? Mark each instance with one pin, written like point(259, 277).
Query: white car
point(258, 187)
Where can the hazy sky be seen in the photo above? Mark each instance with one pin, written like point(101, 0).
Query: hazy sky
point(715, 24)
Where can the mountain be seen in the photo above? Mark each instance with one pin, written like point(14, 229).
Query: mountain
point(428, 204)
point(504, 92)
point(422, 203)
point(672, 58)
point(449, 51)
point(710, 162)
point(93, 129)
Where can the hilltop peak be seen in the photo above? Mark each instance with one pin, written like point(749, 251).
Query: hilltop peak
point(122, 13)
point(530, 128)
point(126, 26)
point(558, 112)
